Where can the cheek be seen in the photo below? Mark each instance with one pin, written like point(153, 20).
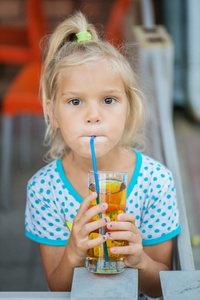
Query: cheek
point(81, 147)
point(67, 130)
point(118, 123)
point(67, 122)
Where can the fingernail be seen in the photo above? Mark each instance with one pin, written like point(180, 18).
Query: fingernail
point(112, 250)
point(110, 225)
point(104, 237)
point(119, 217)
point(104, 205)
point(109, 234)
point(107, 219)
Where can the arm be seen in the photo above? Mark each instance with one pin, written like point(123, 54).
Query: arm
point(57, 267)
point(149, 260)
point(157, 258)
point(59, 261)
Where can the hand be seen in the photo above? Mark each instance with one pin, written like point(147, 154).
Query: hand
point(125, 229)
point(79, 242)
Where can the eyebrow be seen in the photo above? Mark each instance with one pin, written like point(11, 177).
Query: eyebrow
point(113, 91)
point(69, 92)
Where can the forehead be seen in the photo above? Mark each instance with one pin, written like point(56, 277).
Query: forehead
point(86, 76)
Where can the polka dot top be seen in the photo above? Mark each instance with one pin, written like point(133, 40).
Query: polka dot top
point(52, 203)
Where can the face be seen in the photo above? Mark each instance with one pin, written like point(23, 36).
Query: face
point(91, 100)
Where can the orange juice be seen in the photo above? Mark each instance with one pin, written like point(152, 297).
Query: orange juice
point(113, 192)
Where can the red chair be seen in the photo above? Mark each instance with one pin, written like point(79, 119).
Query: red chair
point(115, 29)
point(14, 46)
point(22, 97)
point(20, 45)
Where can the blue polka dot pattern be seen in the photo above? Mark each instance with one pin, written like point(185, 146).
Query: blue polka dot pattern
point(49, 205)
point(52, 201)
point(153, 198)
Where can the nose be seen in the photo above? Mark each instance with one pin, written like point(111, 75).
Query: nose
point(93, 114)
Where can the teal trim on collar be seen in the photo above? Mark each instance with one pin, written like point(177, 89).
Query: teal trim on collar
point(45, 241)
point(163, 238)
point(135, 174)
point(66, 181)
point(79, 198)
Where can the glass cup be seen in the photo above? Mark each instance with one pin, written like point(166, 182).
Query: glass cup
point(112, 190)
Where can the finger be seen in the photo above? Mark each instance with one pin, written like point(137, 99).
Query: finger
point(97, 241)
point(85, 204)
point(115, 225)
point(125, 250)
point(127, 217)
point(95, 225)
point(94, 211)
point(123, 235)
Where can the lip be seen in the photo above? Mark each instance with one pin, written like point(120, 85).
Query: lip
point(95, 135)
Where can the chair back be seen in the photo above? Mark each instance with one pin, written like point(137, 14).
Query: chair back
point(22, 45)
point(37, 26)
point(115, 29)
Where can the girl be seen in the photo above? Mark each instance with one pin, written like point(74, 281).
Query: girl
point(88, 89)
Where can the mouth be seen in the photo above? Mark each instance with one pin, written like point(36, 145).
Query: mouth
point(93, 135)
point(96, 137)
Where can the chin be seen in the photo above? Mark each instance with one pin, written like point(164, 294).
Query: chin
point(86, 153)
point(102, 147)
point(100, 152)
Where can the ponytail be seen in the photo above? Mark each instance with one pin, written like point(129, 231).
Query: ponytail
point(66, 33)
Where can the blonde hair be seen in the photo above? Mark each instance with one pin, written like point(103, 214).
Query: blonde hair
point(64, 51)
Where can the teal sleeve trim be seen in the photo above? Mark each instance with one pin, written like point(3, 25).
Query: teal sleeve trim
point(45, 241)
point(163, 238)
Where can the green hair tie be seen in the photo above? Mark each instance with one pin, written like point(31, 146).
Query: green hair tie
point(83, 36)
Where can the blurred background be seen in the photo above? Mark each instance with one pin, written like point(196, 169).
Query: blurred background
point(23, 24)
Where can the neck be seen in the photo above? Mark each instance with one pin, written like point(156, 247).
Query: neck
point(108, 162)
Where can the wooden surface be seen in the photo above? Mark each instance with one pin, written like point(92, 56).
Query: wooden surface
point(97, 286)
point(180, 285)
point(35, 295)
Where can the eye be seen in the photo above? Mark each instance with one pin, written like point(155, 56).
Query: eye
point(109, 101)
point(75, 102)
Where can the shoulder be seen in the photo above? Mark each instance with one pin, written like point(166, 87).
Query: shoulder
point(150, 175)
point(147, 172)
point(44, 175)
point(154, 169)
point(153, 163)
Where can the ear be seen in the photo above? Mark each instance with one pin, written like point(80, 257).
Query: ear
point(51, 114)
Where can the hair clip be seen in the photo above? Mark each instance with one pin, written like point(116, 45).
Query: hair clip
point(83, 36)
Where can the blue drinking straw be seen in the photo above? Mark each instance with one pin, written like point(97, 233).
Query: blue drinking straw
point(97, 189)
